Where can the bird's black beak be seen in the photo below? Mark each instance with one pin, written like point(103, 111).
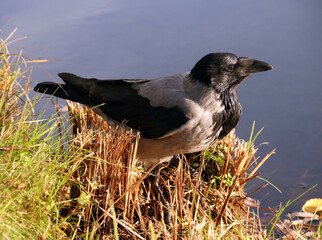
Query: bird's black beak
point(253, 66)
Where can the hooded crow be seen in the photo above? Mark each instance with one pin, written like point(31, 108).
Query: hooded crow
point(183, 113)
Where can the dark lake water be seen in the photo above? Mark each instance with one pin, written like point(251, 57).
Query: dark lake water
point(148, 39)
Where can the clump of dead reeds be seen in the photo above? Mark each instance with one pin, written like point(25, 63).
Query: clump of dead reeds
point(205, 205)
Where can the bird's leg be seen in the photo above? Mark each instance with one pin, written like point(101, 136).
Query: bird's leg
point(154, 179)
point(194, 172)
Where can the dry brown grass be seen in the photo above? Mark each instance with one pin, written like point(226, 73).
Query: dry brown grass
point(111, 199)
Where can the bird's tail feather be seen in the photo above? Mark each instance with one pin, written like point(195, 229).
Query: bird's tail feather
point(62, 91)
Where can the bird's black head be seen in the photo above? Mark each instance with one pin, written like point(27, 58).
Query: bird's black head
point(225, 70)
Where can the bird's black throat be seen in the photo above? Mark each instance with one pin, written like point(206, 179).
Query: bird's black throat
point(228, 118)
point(232, 113)
point(229, 98)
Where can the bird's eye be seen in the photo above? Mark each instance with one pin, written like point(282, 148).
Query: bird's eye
point(230, 67)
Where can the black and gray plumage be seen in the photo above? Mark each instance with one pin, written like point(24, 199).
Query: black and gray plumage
point(183, 113)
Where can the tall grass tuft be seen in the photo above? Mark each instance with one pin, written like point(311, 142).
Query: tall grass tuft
point(35, 165)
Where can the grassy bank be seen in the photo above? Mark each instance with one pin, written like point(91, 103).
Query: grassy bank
point(35, 162)
point(74, 177)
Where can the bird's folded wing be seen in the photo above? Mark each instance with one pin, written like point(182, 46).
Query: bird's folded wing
point(122, 102)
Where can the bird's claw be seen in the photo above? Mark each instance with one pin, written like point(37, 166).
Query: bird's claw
point(154, 178)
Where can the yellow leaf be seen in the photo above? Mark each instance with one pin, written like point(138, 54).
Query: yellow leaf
point(313, 205)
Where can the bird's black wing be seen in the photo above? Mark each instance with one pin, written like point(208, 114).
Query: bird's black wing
point(121, 102)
